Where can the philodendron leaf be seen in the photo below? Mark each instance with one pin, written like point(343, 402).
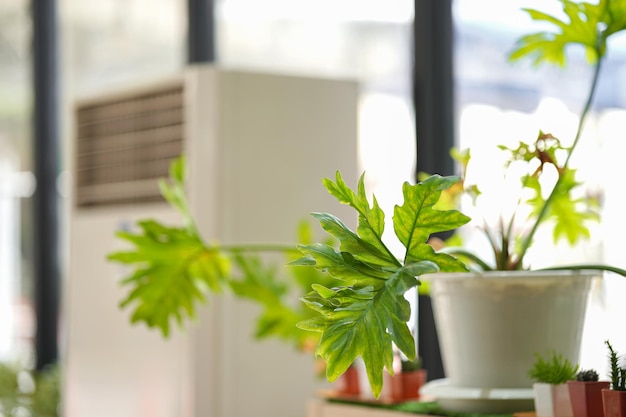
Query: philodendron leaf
point(587, 24)
point(368, 314)
point(416, 220)
point(172, 270)
point(364, 321)
point(569, 214)
point(368, 245)
point(171, 267)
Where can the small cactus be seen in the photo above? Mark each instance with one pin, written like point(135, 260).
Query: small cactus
point(618, 374)
point(587, 375)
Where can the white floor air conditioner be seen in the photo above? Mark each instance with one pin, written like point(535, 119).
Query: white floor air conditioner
point(257, 146)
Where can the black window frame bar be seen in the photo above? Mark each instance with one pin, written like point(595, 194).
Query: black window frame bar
point(47, 164)
point(433, 86)
point(200, 31)
point(433, 100)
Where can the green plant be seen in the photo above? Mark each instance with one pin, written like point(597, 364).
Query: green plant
point(553, 369)
point(366, 315)
point(27, 392)
point(587, 375)
point(411, 365)
point(173, 269)
point(616, 373)
point(588, 26)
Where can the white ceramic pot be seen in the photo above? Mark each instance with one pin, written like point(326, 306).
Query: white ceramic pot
point(491, 325)
point(552, 400)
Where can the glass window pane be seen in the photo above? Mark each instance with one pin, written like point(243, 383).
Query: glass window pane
point(367, 40)
point(110, 43)
point(16, 185)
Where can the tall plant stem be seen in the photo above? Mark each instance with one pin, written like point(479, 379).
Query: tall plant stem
point(583, 117)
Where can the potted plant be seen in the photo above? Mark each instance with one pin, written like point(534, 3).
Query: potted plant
point(614, 398)
point(490, 320)
point(551, 375)
point(366, 313)
point(406, 382)
point(348, 384)
point(586, 394)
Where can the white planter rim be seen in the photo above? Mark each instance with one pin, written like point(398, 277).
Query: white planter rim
point(498, 275)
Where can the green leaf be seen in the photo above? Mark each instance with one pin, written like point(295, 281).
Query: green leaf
point(367, 314)
point(368, 245)
point(177, 170)
point(277, 294)
point(172, 270)
point(173, 190)
point(416, 220)
point(362, 321)
point(587, 25)
point(342, 265)
point(571, 215)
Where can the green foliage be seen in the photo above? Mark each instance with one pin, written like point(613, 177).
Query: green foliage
point(27, 392)
point(172, 267)
point(616, 372)
point(281, 311)
point(367, 314)
point(555, 369)
point(172, 270)
point(589, 26)
point(568, 213)
point(411, 365)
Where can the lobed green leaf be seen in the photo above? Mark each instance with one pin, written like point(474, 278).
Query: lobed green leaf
point(416, 220)
point(367, 314)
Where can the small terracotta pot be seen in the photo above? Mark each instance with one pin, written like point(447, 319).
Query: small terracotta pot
point(405, 386)
point(586, 397)
point(348, 383)
point(614, 403)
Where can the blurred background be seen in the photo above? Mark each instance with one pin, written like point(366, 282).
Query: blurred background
point(104, 45)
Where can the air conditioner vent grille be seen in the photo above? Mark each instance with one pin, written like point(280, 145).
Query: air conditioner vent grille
point(124, 144)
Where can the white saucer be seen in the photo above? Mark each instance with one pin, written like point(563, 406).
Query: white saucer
point(479, 400)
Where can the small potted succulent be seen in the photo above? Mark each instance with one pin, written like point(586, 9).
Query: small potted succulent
point(614, 398)
point(586, 394)
point(551, 375)
point(348, 385)
point(406, 382)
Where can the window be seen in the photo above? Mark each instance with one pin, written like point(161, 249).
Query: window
point(16, 185)
point(366, 40)
point(503, 103)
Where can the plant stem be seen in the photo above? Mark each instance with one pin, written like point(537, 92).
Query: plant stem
point(260, 247)
point(544, 209)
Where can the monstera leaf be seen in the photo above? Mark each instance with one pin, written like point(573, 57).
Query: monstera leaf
point(368, 314)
